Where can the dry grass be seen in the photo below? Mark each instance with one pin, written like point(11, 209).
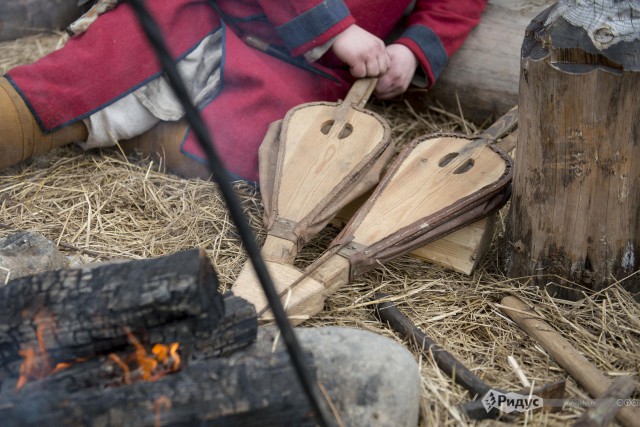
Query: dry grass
point(100, 206)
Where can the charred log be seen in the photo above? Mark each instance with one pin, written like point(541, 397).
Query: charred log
point(85, 312)
point(237, 330)
point(238, 390)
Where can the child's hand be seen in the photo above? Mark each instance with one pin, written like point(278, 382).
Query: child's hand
point(400, 73)
point(362, 51)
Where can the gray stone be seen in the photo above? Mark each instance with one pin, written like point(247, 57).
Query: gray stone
point(26, 253)
point(372, 380)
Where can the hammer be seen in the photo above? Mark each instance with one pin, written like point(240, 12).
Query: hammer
point(583, 371)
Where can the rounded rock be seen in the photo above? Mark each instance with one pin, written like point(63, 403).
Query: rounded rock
point(371, 379)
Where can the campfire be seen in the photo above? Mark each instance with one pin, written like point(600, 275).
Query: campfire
point(139, 365)
point(149, 342)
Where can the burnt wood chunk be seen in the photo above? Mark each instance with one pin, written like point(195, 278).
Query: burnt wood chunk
point(235, 391)
point(236, 331)
point(83, 312)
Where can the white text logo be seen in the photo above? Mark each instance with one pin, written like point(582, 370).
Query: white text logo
point(509, 402)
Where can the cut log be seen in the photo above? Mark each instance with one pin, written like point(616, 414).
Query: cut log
point(483, 75)
point(460, 250)
point(239, 390)
point(574, 213)
point(83, 312)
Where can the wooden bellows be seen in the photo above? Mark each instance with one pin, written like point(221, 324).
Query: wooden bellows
point(322, 156)
point(437, 184)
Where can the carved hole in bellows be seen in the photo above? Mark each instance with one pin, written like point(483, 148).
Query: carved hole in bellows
point(447, 159)
point(326, 126)
point(466, 166)
point(346, 131)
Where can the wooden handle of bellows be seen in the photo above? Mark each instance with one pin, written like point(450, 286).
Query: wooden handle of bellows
point(360, 92)
point(583, 371)
point(501, 127)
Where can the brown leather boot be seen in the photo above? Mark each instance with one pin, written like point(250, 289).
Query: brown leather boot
point(162, 144)
point(20, 135)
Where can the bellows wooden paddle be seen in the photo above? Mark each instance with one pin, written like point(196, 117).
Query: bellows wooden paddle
point(314, 162)
point(437, 184)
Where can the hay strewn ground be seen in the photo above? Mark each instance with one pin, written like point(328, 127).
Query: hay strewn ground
point(100, 206)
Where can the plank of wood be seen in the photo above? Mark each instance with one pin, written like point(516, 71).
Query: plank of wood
point(463, 249)
point(483, 75)
point(460, 251)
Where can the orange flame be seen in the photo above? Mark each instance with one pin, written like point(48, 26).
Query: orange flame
point(159, 404)
point(162, 354)
point(147, 364)
point(167, 355)
point(37, 363)
point(123, 366)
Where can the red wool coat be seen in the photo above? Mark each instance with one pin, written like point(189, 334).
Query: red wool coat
point(113, 59)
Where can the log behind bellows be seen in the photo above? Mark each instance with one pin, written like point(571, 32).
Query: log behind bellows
point(481, 79)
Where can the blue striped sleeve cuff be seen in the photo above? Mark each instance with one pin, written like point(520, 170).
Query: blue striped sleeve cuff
point(313, 23)
point(430, 45)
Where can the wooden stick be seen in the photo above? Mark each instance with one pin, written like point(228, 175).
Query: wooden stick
point(388, 312)
point(603, 413)
point(583, 371)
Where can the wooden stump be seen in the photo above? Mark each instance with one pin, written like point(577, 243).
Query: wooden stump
point(574, 214)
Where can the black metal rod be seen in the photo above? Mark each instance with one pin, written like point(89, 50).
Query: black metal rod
point(389, 313)
point(222, 177)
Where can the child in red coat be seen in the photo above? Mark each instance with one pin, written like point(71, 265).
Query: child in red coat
point(105, 85)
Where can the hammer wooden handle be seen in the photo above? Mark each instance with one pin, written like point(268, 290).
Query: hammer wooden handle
point(583, 371)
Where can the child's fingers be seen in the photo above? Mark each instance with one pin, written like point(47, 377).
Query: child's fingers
point(378, 65)
point(373, 67)
point(359, 70)
point(384, 62)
